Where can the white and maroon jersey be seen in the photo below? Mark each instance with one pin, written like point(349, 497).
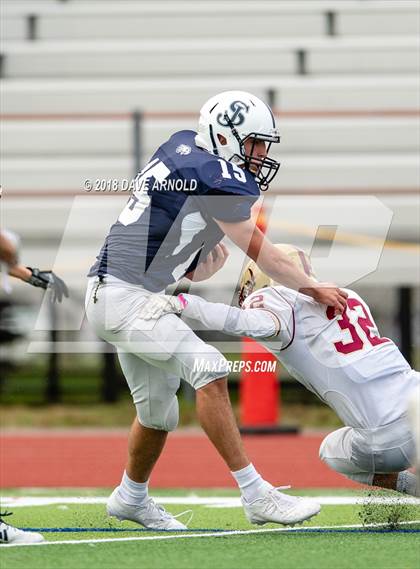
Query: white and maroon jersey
point(342, 359)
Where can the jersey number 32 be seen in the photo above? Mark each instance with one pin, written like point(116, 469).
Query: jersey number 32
point(361, 331)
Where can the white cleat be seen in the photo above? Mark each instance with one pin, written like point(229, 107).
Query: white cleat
point(276, 507)
point(149, 514)
point(10, 534)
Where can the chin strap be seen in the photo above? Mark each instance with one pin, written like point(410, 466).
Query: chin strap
point(213, 141)
point(233, 129)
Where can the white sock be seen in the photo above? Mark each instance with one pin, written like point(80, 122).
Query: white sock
point(132, 493)
point(250, 482)
point(407, 483)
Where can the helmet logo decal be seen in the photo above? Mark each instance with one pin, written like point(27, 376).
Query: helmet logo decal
point(239, 109)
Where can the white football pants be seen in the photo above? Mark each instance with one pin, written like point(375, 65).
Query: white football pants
point(153, 354)
point(361, 453)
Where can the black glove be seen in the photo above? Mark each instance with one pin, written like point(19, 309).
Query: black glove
point(48, 279)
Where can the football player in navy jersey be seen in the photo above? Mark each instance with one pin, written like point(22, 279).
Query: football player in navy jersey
point(197, 188)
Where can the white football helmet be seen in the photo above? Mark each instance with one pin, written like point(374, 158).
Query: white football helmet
point(238, 116)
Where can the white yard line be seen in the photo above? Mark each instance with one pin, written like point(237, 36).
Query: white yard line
point(191, 500)
point(201, 535)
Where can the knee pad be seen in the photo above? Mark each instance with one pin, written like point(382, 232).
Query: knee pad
point(336, 445)
point(336, 452)
point(159, 415)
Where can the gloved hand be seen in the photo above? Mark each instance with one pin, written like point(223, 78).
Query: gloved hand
point(159, 304)
point(49, 280)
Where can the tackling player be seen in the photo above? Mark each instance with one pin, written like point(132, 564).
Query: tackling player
point(197, 187)
point(362, 376)
point(44, 279)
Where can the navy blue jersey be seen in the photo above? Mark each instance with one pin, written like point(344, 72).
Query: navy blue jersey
point(168, 224)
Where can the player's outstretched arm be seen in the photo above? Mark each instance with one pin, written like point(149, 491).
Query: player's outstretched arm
point(213, 316)
point(49, 280)
point(35, 277)
point(278, 266)
point(42, 279)
point(221, 317)
point(19, 272)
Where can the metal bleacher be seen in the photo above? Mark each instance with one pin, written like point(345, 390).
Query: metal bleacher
point(90, 19)
point(343, 76)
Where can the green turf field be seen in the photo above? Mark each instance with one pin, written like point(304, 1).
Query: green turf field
point(212, 541)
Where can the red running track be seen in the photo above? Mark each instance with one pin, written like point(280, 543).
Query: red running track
point(89, 459)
